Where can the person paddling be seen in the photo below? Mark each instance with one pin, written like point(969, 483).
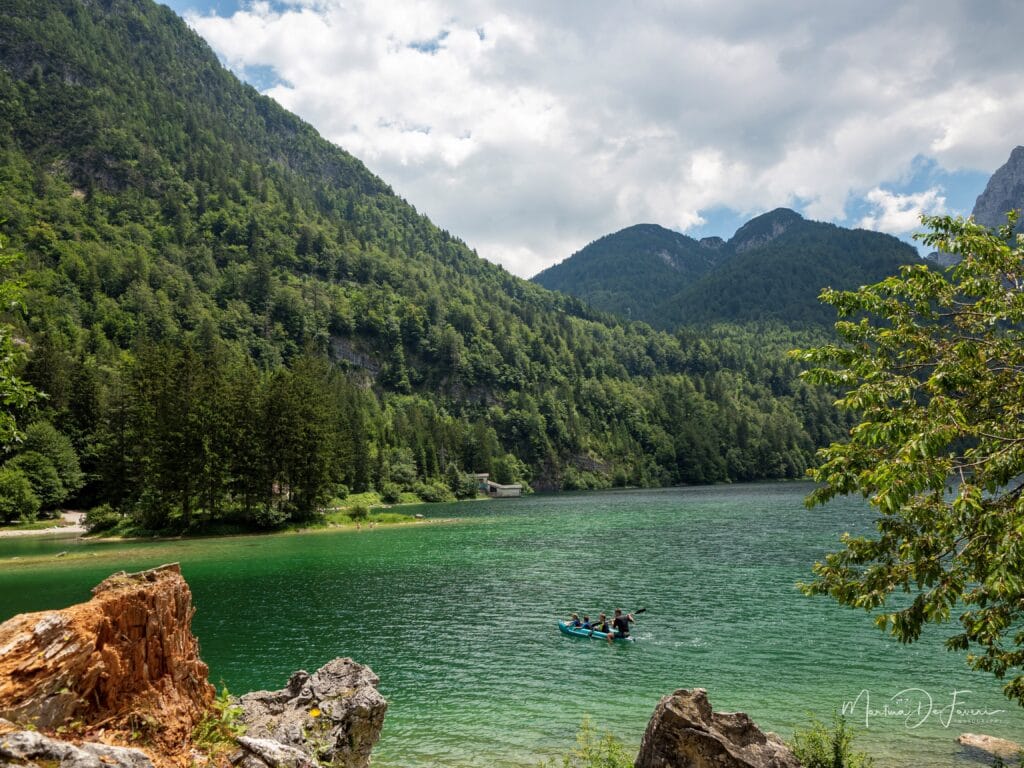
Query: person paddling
point(620, 624)
point(601, 625)
point(575, 622)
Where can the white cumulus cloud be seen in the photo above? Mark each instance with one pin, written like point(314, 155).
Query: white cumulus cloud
point(899, 214)
point(531, 128)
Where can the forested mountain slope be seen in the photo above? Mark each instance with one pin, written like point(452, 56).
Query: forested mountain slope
point(232, 318)
point(632, 270)
point(772, 269)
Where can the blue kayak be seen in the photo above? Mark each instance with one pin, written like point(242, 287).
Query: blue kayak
point(579, 632)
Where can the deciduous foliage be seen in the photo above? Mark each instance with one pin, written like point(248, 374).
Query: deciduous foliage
point(15, 393)
point(933, 365)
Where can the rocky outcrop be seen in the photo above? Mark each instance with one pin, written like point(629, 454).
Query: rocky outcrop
point(982, 748)
point(127, 658)
point(1004, 192)
point(332, 716)
point(684, 732)
point(127, 661)
point(762, 229)
point(31, 749)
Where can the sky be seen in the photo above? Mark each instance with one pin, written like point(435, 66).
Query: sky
point(532, 128)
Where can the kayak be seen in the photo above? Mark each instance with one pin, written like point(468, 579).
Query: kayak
point(580, 632)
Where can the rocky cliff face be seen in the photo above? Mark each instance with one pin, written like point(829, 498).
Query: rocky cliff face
point(126, 662)
point(127, 652)
point(684, 732)
point(1004, 192)
point(764, 228)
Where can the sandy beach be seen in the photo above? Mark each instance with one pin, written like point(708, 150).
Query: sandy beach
point(72, 525)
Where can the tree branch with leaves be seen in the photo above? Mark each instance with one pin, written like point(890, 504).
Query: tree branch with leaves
point(932, 362)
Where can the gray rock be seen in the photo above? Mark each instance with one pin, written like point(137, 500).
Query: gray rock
point(1004, 192)
point(261, 753)
point(685, 733)
point(333, 716)
point(29, 748)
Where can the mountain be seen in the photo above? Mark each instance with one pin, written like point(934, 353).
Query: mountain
point(772, 269)
point(1004, 192)
point(647, 260)
point(233, 320)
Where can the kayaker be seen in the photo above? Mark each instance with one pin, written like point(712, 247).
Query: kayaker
point(601, 625)
point(586, 622)
point(621, 624)
point(575, 622)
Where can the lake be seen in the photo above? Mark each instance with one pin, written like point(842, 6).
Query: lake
point(458, 620)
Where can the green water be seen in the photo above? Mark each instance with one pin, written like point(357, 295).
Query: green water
point(457, 618)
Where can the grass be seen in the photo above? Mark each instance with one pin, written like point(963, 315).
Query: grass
point(341, 518)
point(370, 499)
point(380, 512)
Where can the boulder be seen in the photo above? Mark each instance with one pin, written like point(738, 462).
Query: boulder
point(987, 749)
point(31, 749)
point(333, 716)
point(127, 658)
point(684, 732)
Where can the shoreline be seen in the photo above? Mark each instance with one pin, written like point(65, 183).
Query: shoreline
point(80, 533)
point(72, 524)
point(57, 529)
point(74, 527)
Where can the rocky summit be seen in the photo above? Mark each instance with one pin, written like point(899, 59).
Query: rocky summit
point(1003, 193)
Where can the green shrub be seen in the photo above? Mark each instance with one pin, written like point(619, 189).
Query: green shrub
point(433, 492)
point(102, 518)
point(358, 512)
point(594, 750)
point(390, 493)
point(821, 746)
point(216, 733)
point(17, 500)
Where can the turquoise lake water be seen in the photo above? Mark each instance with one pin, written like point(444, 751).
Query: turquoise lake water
point(458, 620)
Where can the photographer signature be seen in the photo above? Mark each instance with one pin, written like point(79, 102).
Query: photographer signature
point(915, 706)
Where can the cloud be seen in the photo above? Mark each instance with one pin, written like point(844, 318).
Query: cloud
point(900, 214)
point(530, 129)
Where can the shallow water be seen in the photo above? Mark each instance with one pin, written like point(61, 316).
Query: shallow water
point(458, 620)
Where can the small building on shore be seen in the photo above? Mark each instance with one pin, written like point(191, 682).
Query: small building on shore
point(496, 490)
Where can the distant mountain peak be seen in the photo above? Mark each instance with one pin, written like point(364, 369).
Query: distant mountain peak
point(772, 269)
point(1003, 193)
point(764, 228)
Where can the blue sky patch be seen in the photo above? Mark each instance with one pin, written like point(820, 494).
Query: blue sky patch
point(431, 46)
